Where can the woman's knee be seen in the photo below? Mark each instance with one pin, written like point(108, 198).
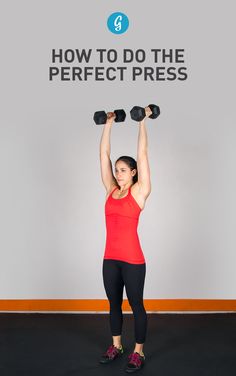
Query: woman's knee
point(136, 305)
point(115, 304)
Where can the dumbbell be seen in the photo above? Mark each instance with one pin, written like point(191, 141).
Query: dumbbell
point(100, 117)
point(138, 113)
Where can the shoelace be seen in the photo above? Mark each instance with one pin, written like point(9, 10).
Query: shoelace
point(135, 359)
point(112, 351)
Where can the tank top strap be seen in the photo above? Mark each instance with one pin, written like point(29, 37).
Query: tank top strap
point(129, 191)
point(113, 190)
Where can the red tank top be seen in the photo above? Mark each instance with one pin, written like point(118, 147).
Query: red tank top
point(122, 242)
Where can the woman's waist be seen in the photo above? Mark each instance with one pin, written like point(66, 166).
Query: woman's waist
point(111, 216)
point(122, 236)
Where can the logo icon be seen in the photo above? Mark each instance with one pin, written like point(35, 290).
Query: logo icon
point(118, 23)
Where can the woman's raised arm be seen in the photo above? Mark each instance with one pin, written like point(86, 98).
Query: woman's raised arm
point(108, 178)
point(144, 180)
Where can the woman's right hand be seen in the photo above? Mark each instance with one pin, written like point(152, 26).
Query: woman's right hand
point(110, 117)
point(148, 112)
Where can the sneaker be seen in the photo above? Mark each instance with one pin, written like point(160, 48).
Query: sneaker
point(112, 353)
point(136, 362)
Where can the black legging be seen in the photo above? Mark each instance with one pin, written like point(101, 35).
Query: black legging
point(116, 274)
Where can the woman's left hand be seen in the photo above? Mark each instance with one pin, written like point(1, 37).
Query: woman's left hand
point(148, 112)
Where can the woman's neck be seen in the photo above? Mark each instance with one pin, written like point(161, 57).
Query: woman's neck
point(124, 188)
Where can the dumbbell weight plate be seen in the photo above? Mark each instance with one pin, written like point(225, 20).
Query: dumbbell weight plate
point(100, 117)
point(120, 115)
point(137, 113)
point(155, 111)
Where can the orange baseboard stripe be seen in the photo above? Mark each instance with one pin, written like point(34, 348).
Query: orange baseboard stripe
point(103, 305)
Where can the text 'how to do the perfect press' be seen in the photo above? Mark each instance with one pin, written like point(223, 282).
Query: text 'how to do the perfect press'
point(110, 65)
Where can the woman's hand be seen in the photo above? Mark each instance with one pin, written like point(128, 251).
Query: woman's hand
point(110, 117)
point(148, 112)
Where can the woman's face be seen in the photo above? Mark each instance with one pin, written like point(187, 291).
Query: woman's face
point(123, 173)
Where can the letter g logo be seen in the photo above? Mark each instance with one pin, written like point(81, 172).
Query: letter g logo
point(118, 23)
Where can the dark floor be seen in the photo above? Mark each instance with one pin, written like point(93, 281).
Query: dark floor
point(71, 344)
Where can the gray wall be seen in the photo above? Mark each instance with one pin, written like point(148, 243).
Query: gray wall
point(52, 197)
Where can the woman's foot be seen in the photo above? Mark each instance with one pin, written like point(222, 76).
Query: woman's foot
point(112, 353)
point(135, 362)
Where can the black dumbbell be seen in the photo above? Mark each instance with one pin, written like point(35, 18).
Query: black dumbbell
point(138, 113)
point(100, 117)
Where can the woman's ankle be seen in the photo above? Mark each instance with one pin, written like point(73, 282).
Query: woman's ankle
point(118, 346)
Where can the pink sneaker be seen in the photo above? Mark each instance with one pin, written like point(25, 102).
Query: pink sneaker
point(111, 354)
point(136, 362)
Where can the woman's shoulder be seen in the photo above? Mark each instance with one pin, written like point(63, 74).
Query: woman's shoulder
point(112, 187)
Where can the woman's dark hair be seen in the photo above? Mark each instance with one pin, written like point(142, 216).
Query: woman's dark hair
point(131, 162)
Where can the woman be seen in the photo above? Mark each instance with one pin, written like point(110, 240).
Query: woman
point(124, 263)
